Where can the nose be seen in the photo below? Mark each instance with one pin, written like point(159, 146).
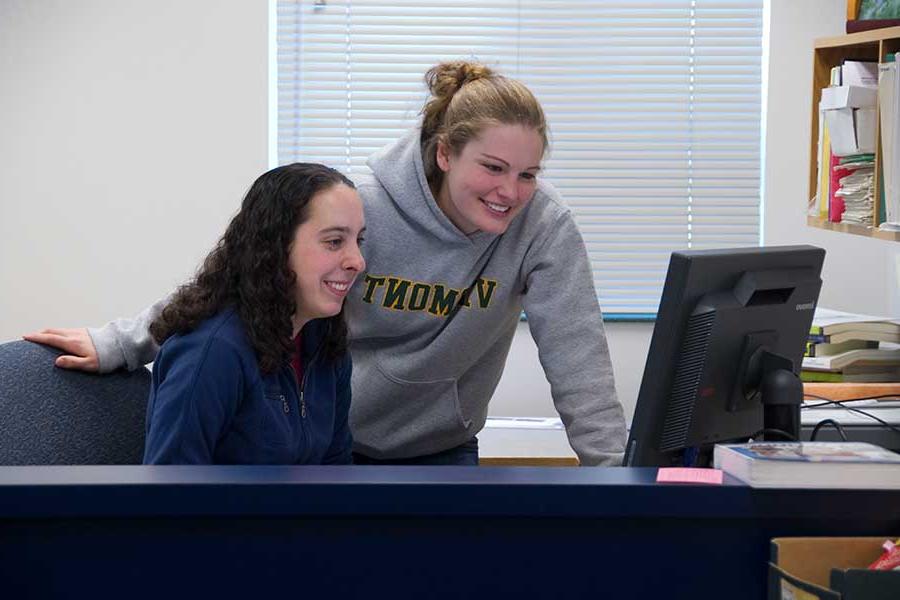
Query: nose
point(353, 259)
point(508, 188)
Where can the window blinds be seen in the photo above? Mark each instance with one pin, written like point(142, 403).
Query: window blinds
point(654, 109)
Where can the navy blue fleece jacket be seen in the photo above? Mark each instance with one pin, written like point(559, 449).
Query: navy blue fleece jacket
point(211, 404)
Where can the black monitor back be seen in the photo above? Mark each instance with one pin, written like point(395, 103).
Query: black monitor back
point(717, 308)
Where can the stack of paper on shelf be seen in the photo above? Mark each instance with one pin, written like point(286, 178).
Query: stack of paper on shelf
point(852, 348)
point(855, 194)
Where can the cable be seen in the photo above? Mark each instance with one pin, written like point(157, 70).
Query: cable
point(690, 456)
point(843, 404)
point(820, 424)
point(780, 432)
point(871, 416)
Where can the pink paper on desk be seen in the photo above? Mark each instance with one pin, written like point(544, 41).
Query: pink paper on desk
point(686, 475)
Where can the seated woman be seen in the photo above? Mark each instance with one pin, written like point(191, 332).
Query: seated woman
point(253, 367)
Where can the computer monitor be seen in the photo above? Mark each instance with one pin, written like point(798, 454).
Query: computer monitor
point(726, 352)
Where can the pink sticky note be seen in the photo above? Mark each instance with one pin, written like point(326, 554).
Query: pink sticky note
point(688, 475)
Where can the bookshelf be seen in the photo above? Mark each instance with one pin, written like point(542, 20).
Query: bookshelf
point(828, 53)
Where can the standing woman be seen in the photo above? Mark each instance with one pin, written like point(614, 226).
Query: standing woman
point(464, 238)
point(253, 367)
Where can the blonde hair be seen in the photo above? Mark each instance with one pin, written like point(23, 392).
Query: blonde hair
point(467, 97)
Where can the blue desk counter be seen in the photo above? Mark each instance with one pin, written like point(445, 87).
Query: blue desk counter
point(403, 532)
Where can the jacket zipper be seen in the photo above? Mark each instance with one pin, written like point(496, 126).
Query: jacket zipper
point(301, 388)
point(306, 370)
point(298, 387)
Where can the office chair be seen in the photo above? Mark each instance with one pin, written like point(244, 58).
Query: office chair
point(52, 416)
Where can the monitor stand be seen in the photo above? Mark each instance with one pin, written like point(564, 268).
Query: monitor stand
point(781, 394)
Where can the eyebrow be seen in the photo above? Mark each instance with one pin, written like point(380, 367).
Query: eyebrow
point(497, 158)
point(338, 229)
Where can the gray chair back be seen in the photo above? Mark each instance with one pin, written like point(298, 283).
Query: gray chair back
point(53, 416)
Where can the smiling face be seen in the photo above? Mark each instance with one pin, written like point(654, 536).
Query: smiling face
point(491, 179)
point(325, 254)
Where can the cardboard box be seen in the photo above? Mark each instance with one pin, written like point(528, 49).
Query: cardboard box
point(830, 568)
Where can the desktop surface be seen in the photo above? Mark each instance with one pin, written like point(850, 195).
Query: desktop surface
point(406, 532)
point(152, 491)
point(543, 441)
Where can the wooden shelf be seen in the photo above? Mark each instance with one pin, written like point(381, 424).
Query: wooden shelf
point(862, 230)
point(830, 52)
point(850, 391)
point(861, 38)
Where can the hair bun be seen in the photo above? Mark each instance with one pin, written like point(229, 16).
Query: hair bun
point(446, 78)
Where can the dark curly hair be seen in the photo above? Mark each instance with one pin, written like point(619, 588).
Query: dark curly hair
point(249, 270)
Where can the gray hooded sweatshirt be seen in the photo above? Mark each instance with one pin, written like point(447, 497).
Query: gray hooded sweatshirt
point(432, 320)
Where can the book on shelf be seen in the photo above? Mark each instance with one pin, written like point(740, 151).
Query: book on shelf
point(889, 106)
point(868, 356)
point(863, 73)
point(857, 373)
point(825, 189)
point(870, 335)
point(823, 181)
point(814, 347)
point(833, 326)
point(850, 465)
point(843, 376)
point(851, 348)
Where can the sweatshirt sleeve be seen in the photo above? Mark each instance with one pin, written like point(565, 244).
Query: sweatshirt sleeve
point(197, 387)
point(340, 451)
point(565, 321)
point(127, 342)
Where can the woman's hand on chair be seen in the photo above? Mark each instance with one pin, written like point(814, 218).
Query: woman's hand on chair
point(80, 351)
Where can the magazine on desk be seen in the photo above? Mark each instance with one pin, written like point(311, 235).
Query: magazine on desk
point(848, 465)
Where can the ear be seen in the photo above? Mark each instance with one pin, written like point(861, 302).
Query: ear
point(443, 157)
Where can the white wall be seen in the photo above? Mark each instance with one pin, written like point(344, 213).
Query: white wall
point(131, 128)
point(860, 274)
point(129, 131)
point(523, 390)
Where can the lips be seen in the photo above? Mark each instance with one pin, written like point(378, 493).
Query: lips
point(339, 287)
point(494, 208)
